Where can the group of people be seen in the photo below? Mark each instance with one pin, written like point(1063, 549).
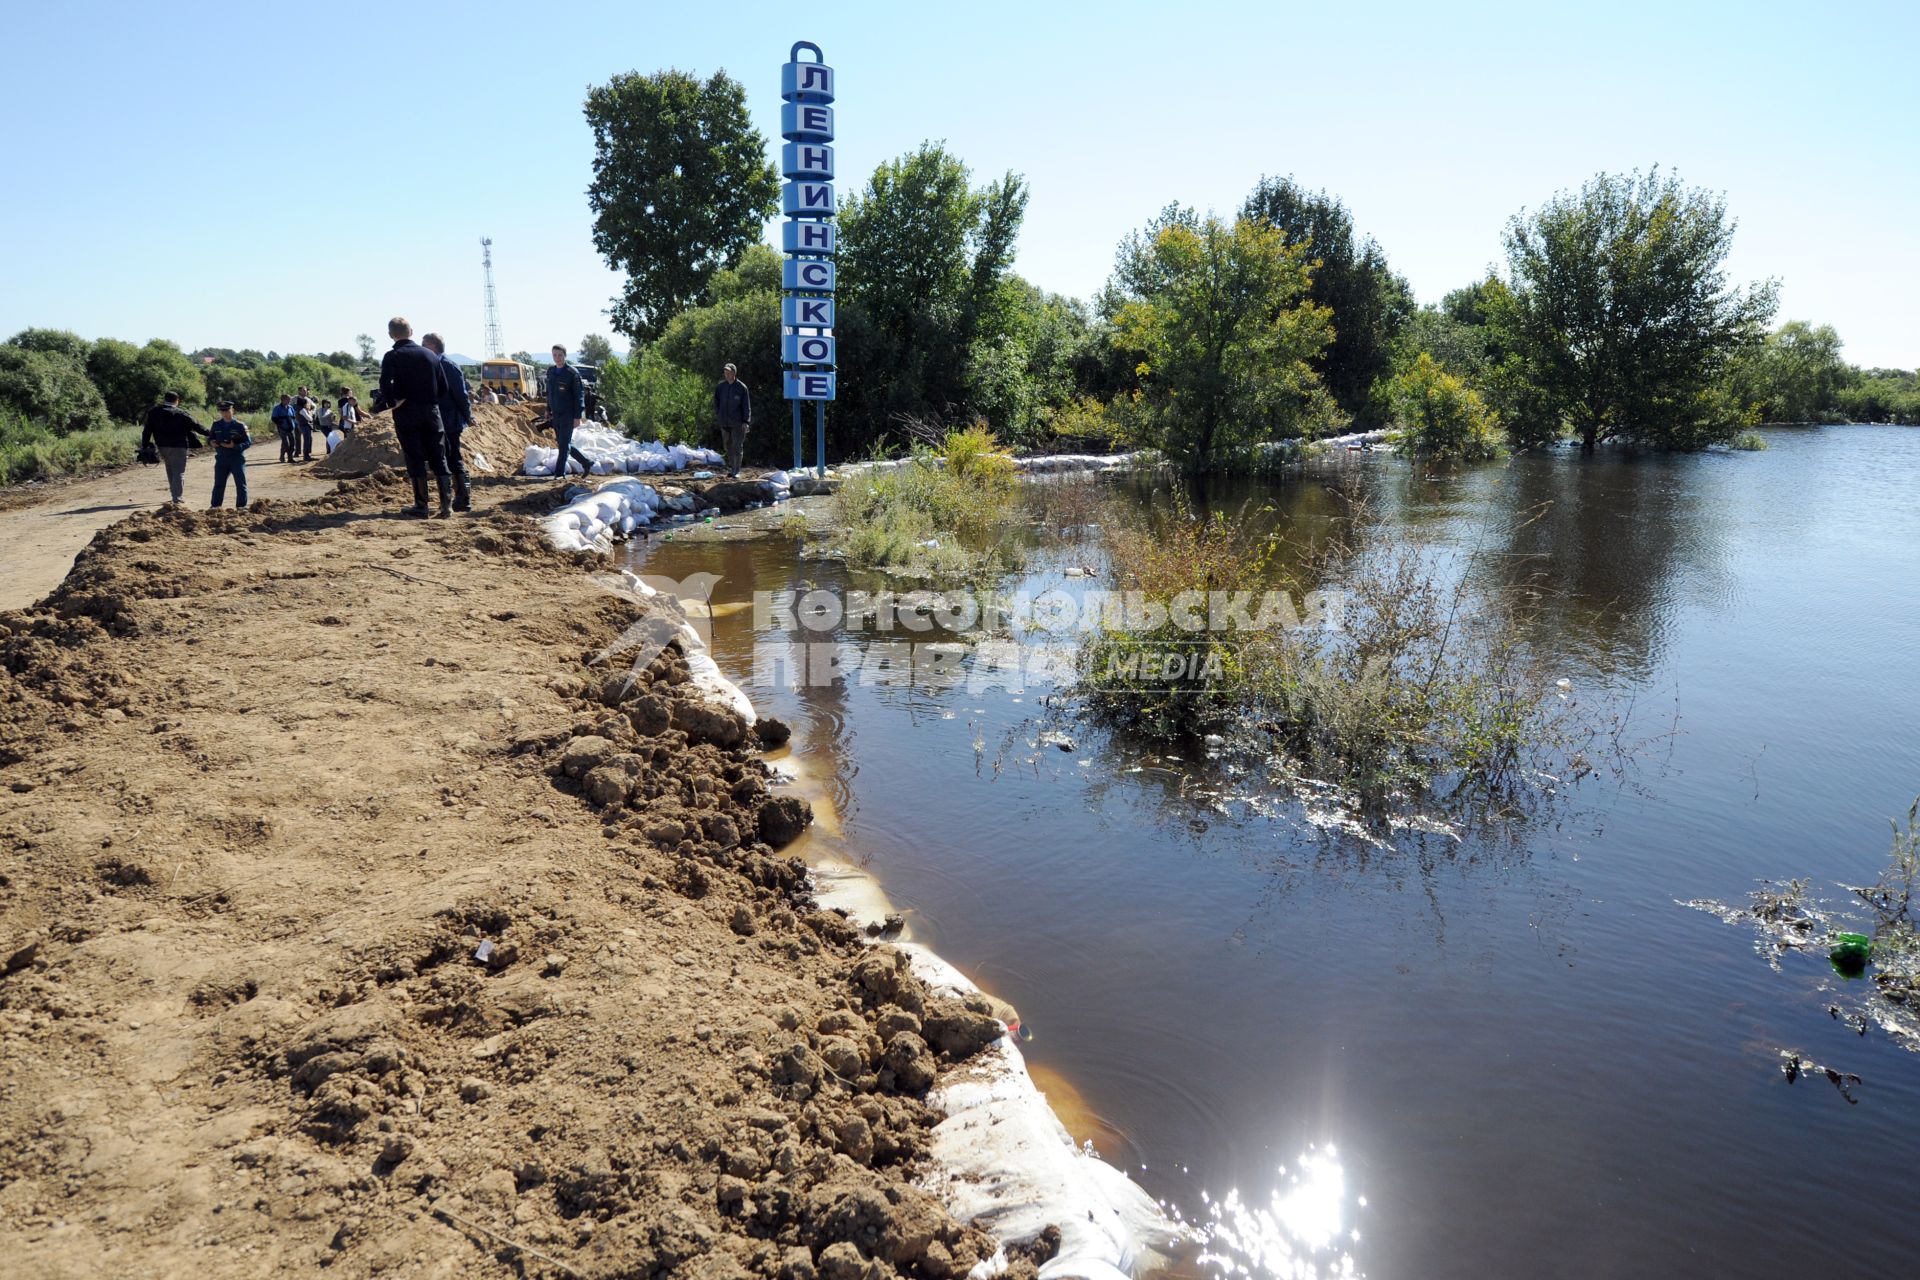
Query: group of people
point(431, 410)
point(298, 418)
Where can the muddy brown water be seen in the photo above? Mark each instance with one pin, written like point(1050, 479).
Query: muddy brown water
point(1512, 1053)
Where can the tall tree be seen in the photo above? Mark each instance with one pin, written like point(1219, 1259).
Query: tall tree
point(364, 342)
point(681, 186)
point(1370, 304)
point(1621, 315)
point(595, 349)
point(1227, 334)
point(1795, 375)
point(922, 257)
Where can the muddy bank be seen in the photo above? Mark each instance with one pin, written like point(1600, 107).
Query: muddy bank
point(348, 918)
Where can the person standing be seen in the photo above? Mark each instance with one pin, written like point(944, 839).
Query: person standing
point(349, 412)
point(733, 409)
point(456, 414)
point(171, 431)
point(285, 420)
point(304, 410)
point(566, 401)
point(230, 440)
point(412, 380)
point(324, 422)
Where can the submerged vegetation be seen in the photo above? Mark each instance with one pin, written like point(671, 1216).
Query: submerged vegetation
point(945, 514)
point(1790, 921)
point(1370, 668)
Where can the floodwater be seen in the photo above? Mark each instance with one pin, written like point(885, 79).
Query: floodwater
point(1512, 1053)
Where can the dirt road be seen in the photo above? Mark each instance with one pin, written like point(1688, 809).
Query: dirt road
point(348, 919)
point(42, 532)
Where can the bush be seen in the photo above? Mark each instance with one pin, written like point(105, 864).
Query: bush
point(30, 452)
point(947, 515)
point(1442, 417)
point(132, 379)
point(650, 399)
point(50, 389)
point(1752, 441)
point(1421, 688)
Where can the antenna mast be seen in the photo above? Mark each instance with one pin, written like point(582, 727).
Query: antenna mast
point(491, 323)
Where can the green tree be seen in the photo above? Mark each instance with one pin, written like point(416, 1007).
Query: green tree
point(681, 186)
point(62, 342)
point(923, 254)
point(1227, 334)
point(737, 323)
point(132, 379)
point(595, 350)
point(1621, 316)
point(1442, 416)
point(1370, 304)
point(50, 389)
point(653, 399)
point(364, 342)
point(1796, 375)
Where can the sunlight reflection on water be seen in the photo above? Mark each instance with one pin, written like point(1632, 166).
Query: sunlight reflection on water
point(1302, 1232)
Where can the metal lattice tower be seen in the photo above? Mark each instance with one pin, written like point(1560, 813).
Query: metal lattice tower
point(490, 326)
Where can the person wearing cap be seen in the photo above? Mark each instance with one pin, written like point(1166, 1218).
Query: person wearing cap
point(733, 410)
point(171, 431)
point(456, 415)
point(412, 381)
point(230, 440)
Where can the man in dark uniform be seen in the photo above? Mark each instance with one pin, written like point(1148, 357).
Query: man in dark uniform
point(172, 431)
point(456, 415)
point(412, 383)
point(733, 410)
point(566, 401)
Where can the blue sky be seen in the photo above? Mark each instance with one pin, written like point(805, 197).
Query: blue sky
point(286, 177)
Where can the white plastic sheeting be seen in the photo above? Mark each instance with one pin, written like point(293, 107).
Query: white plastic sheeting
point(612, 453)
point(1000, 1155)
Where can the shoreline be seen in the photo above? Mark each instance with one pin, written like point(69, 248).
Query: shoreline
point(353, 919)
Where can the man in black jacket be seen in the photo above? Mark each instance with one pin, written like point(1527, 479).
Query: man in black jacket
point(456, 415)
point(172, 431)
point(733, 408)
point(412, 382)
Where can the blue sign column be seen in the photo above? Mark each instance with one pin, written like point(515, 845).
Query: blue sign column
point(807, 276)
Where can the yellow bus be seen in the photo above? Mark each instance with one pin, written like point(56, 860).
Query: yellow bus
point(510, 376)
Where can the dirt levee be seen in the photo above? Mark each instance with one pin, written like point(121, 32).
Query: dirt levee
point(349, 919)
point(499, 434)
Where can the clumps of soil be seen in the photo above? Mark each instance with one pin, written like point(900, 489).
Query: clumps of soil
point(498, 433)
point(354, 920)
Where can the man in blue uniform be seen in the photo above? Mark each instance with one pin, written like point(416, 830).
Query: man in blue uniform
point(456, 415)
point(230, 440)
point(412, 382)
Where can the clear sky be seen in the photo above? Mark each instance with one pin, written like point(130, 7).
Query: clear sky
point(285, 177)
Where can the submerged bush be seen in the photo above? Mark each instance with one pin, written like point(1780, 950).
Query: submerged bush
point(1442, 417)
point(1751, 441)
point(946, 514)
point(1393, 679)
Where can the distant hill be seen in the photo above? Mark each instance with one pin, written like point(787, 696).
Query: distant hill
point(457, 358)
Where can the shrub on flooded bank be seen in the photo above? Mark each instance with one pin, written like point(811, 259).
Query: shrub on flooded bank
point(1751, 441)
point(946, 514)
point(1394, 680)
point(1442, 418)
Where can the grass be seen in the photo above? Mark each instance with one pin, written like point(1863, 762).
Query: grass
point(946, 514)
point(1420, 689)
point(29, 452)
